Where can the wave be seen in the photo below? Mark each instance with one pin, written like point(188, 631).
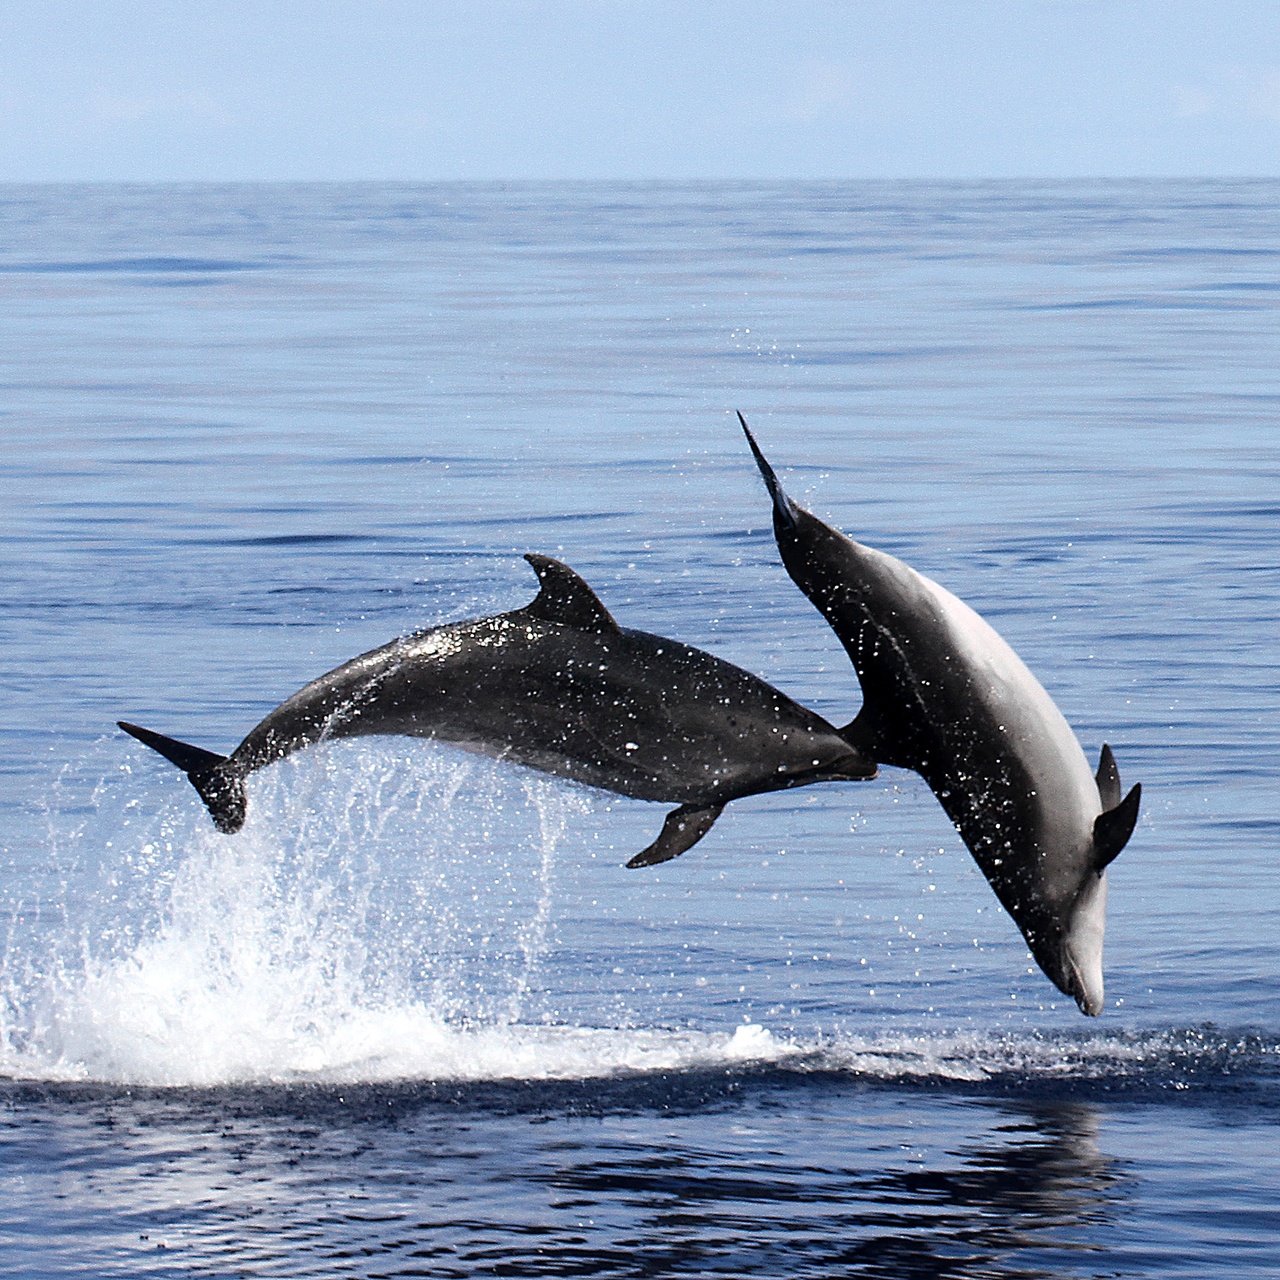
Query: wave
point(412, 1045)
point(127, 266)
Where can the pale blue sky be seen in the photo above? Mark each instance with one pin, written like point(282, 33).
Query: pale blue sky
point(443, 89)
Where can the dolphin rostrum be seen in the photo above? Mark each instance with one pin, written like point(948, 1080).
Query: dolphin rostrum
point(560, 687)
point(944, 695)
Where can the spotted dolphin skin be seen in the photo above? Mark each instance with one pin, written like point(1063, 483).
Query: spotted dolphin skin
point(558, 686)
point(944, 695)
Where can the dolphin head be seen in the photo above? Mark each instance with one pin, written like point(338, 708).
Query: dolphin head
point(1082, 945)
point(1068, 945)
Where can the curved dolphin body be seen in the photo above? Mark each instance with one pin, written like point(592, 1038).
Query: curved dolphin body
point(944, 695)
point(558, 686)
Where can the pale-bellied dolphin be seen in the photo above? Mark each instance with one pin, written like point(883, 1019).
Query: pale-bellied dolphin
point(558, 686)
point(944, 695)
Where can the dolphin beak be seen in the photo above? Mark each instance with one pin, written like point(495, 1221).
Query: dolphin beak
point(854, 767)
point(1082, 947)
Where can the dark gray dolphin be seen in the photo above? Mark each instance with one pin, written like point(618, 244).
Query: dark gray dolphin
point(558, 686)
point(944, 695)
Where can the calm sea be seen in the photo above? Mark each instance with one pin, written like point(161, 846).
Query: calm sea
point(417, 1019)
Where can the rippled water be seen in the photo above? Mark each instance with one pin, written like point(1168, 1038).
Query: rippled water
point(418, 1019)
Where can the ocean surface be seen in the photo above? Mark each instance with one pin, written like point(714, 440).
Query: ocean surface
point(418, 1019)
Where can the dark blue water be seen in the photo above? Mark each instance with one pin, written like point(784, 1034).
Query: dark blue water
point(418, 1019)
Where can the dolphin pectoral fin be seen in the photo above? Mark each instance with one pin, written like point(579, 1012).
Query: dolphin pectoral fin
point(1108, 779)
point(683, 829)
point(566, 599)
point(783, 508)
point(221, 788)
point(1111, 830)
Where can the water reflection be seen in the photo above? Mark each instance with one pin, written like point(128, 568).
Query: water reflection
point(1017, 1201)
point(420, 1180)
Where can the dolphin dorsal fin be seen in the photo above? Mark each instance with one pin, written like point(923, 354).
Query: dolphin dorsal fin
point(1112, 829)
point(1108, 776)
point(566, 599)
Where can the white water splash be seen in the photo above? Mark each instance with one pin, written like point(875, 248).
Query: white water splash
point(383, 912)
point(383, 915)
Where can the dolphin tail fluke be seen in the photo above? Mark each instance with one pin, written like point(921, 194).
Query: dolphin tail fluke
point(683, 829)
point(1112, 829)
point(783, 508)
point(220, 787)
point(188, 758)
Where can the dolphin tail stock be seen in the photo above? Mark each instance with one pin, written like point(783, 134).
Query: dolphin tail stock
point(683, 829)
point(221, 788)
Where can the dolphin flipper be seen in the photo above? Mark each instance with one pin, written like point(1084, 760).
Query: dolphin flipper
point(683, 829)
point(221, 789)
point(1112, 829)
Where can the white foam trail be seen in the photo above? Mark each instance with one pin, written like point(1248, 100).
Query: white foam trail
point(1162, 1057)
point(371, 1046)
